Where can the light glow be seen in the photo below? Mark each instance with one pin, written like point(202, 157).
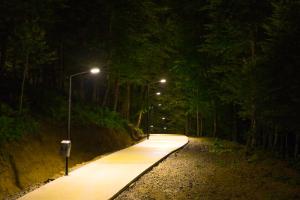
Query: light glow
point(158, 93)
point(163, 118)
point(95, 70)
point(163, 80)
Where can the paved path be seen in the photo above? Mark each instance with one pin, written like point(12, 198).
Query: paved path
point(105, 177)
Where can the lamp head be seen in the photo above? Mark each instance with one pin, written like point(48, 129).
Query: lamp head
point(163, 80)
point(95, 70)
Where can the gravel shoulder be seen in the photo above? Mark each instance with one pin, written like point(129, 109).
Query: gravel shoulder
point(206, 169)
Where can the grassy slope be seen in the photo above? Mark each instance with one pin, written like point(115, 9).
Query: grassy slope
point(35, 158)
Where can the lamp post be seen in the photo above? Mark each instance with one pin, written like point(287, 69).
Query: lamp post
point(162, 81)
point(68, 142)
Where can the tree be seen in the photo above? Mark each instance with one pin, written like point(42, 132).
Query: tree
point(33, 48)
point(281, 71)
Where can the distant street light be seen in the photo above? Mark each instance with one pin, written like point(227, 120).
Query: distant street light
point(162, 81)
point(94, 70)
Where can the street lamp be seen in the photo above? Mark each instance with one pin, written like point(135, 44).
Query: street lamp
point(162, 81)
point(94, 70)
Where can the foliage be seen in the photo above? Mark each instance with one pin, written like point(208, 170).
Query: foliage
point(55, 107)
point(281, 59)
point(13, 127)
point(220, 147)
point(232, 65)
point(102, 117)
point(51, 105)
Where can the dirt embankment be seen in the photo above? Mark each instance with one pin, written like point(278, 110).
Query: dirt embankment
point(35, 158)
point(210, 171)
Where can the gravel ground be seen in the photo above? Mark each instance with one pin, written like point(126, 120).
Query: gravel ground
point(198, 171)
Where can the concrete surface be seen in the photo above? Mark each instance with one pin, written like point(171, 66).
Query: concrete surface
point(106, 177)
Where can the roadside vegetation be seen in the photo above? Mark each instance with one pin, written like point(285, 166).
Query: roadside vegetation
point(13, 126)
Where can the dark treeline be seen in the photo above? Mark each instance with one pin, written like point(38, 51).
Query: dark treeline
point(232, 66)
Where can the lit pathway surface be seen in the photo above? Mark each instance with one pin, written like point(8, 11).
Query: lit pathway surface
point(105, 177)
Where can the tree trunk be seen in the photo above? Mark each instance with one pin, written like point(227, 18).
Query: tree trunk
point(264, 138)
point(141, 112)
point(127, 102)
point(286, 146)
point(296, 151)
point(186, 125)
point(23, 82)
point(215, 123)
point(253, 135)
point(61, 65)
point(147, 108)
point(275, 138)
point(234, 124)
point(107, 89)
point(81, 89)
point(14, 67)
point(201, 125)
point(270, 142)
point(253, 127)
point(281, 150)
point(197, 121)
point(3, 51)
point(116, 95)
point(139, 119)
point(95, 91)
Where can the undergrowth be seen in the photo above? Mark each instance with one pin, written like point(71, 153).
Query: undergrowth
point(13, 125)
point(55, 107)
point(102, 117)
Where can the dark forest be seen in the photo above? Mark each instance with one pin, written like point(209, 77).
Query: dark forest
point(232, 68)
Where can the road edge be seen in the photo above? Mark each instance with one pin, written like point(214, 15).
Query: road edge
point(147, 170)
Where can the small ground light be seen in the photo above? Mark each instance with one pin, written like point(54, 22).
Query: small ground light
point(165, 128)
point(151, 126)
point(158, 93)
point(163, 118)
point(159, 104)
